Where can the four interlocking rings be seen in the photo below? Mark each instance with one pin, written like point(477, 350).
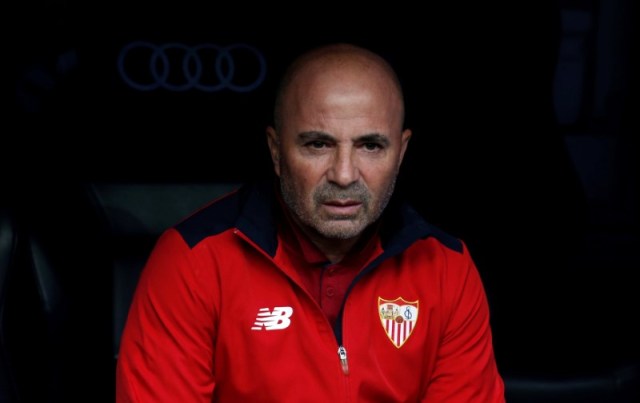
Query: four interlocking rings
point(197, 61)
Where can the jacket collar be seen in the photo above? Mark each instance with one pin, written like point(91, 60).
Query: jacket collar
point(401, 225)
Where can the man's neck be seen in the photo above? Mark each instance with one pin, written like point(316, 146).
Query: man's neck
point(334, 249)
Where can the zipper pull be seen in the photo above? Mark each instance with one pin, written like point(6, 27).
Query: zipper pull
point(342, 353)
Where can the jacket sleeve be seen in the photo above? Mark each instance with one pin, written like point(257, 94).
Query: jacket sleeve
point(466, 370)
point(166, 350)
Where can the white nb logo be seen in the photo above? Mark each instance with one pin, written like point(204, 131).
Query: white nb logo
point(277, 319)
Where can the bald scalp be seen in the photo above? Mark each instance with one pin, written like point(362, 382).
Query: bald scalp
point(331, 60)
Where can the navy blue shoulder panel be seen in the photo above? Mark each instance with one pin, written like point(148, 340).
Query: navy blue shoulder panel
point(213, 219)
point(402, 225)
point(447, 240)
point(249, 209)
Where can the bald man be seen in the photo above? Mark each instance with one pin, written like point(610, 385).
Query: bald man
point(320, 287)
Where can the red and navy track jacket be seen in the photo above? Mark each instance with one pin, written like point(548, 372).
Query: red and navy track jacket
point(220, 315)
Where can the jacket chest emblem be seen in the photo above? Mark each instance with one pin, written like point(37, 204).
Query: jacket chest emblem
point(398, 318)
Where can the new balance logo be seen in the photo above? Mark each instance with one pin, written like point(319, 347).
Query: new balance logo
point(277, 319)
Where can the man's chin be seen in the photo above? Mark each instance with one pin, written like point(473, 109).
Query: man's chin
point(342, 218)
point(340, 228)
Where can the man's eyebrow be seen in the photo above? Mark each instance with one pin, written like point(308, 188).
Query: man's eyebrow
point(322, 136)
point(374, 138)
point(314, 136)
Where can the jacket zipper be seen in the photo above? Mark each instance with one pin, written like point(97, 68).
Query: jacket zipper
point(342, 353)
point(337, 330)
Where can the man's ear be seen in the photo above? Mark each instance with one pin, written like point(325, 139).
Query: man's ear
point(274, 148)
point(406, 136)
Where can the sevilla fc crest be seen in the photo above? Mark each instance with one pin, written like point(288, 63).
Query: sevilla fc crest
point(398, 318)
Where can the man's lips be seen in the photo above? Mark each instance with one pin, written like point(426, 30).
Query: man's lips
point(342, 207)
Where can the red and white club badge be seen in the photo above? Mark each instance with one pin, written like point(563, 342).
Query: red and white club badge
point(398, 318)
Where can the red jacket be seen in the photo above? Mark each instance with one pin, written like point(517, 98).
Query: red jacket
point(219, 314)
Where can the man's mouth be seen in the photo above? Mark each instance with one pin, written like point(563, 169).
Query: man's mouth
point(342, 207)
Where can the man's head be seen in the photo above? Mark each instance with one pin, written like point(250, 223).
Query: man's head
point(338, 139)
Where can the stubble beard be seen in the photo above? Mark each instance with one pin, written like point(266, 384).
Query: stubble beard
point(333, 226)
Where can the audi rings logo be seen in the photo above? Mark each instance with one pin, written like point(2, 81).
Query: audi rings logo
point(206, 67)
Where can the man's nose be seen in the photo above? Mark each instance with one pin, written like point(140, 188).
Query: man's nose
point(343, 170)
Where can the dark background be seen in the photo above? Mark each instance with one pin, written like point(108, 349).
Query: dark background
point(524, 137)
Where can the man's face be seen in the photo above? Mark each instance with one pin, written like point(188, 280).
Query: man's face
point(338, 153)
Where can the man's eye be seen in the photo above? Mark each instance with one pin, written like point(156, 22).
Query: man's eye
point(316, 144)
point(372, 146)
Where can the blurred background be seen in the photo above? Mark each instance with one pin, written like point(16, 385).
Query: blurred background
point(125, 116)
